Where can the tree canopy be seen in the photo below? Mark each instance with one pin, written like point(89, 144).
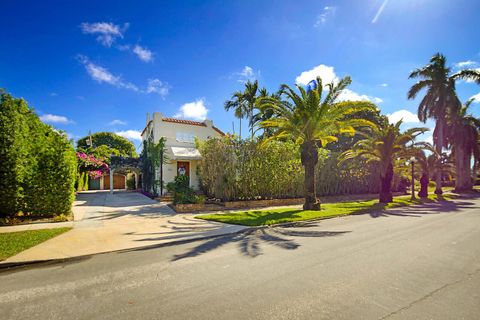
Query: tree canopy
point(105, 144)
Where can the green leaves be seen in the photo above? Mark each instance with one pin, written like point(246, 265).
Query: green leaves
point(38, 164)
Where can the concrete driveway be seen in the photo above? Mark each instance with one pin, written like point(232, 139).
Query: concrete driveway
point(124, 220)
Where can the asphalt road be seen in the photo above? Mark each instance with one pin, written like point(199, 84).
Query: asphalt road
point(415, 263)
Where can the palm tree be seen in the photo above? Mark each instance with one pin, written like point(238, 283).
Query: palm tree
point(383, 144)
point(312, 123)
point(263, 114)
point(431, 162)
point(439, 99)
point(463, 134)
point(243, 102)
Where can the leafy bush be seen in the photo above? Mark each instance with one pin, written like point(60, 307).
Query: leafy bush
point(181, 191)
point(38, 163)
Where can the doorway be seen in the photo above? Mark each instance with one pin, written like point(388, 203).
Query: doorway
point(183, 169)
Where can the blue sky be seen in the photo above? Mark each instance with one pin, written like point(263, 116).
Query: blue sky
point(101, 66)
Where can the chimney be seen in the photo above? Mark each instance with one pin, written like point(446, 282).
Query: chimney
point(157, 117)
point(208, 123)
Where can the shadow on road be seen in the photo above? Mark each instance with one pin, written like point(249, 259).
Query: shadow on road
point(250, 242)
point(422, 207)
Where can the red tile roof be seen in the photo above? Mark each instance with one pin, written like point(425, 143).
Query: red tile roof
point(190, 122)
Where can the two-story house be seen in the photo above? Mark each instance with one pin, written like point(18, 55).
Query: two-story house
point(180, 135)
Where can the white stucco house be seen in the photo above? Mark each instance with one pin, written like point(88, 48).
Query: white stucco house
point(180, 137)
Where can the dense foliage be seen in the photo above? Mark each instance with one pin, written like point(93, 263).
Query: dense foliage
point(153, 157)
point(233, 169)
point(38, 163)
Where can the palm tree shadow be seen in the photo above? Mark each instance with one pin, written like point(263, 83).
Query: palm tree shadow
point(421, 207)
point(250, 242)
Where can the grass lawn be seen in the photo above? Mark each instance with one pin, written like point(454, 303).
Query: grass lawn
point(12, 243)
point(282, 215)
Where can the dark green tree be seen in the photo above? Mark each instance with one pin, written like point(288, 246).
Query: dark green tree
point(118, 145)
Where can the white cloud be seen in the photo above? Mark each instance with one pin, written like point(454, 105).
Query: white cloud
point(349, 95)
point(323, 17)
point(384, 85)
point(193, 110)
point(117, 122)
point(143, 53)
point(407, 116)
point(466, 64)
point(130, 134)
point(52, 118)
point(53, 94)
point(102, 75)
point(247, 74)
point(157, 86)
point(107, 32)
point(476, 97)
point(327, 74)
point(379, 12)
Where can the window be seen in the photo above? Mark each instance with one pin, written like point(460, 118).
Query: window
point(185, 137)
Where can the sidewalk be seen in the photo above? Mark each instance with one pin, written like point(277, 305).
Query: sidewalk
point(124, 220)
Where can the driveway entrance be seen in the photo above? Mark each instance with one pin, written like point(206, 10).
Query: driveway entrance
point(123, 220)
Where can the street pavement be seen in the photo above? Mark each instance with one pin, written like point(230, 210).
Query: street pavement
point(419, 262)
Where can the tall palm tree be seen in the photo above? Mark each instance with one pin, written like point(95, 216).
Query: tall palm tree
point(383, 144)
point(243, 103)
point(312, 123)
point(439, 99)
point(463, 134)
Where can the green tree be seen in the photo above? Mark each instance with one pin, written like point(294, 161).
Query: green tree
point(383, 144)
point(440, 98)
point(243, 103)
point(313, 123)
point(123, 146)
point(463, 134)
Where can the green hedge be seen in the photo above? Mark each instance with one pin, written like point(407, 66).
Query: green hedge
point(237, 170)
point(37, 163)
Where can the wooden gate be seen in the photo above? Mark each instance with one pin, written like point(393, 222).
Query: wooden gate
point(118, 182)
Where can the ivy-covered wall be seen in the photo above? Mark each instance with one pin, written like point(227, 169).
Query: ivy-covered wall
point(37, 163)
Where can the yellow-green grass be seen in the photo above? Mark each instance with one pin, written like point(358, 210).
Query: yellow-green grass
point(283, 215)
point(12, 243)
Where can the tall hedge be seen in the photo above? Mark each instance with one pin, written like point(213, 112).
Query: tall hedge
point(37, 163)
point(234, 170)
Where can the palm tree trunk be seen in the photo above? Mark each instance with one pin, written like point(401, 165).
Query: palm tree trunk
point(386, 185)
point(309, 155)
point(439, 147)
point(462, 162)
point(240, 128)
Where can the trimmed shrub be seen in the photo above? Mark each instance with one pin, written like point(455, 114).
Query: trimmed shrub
point(182, 193)
point(38, 163)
